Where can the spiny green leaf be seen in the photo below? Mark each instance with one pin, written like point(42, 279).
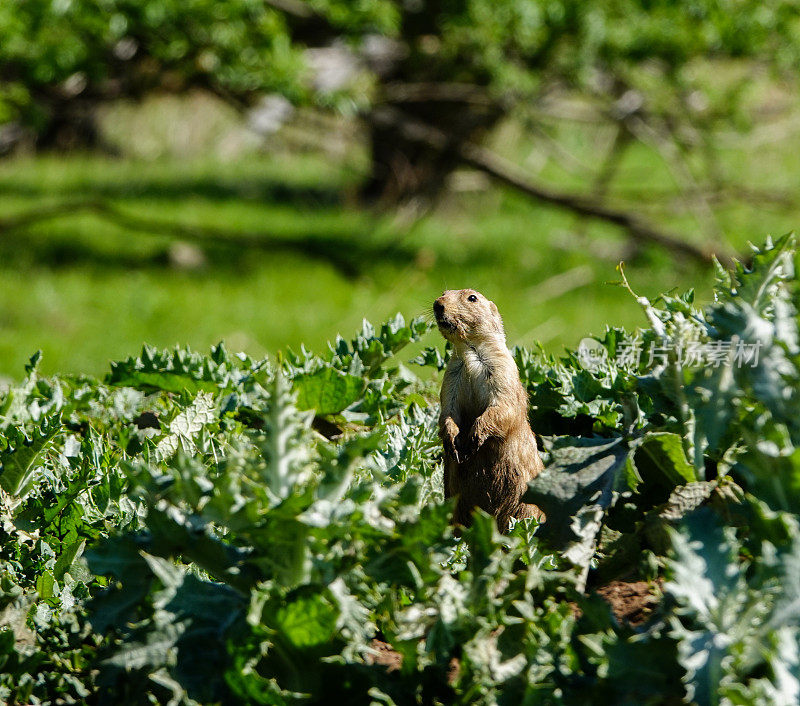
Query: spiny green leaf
point(24, 455)
point(184, 428)
point(282, 443)
point(179, 370)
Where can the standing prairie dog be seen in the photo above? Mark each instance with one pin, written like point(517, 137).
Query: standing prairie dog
point(490, 451)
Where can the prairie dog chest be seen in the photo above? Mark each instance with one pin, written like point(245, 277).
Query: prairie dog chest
point(476, 383)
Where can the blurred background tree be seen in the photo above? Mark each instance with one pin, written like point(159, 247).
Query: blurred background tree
point(434, 86)
point(456, 67)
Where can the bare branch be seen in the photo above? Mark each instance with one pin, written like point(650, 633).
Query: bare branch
point(665, 143)
point(510, 174)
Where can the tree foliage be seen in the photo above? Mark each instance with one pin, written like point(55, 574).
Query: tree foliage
point(56, 55)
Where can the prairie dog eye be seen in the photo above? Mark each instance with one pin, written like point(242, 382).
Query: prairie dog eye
point(472, 298)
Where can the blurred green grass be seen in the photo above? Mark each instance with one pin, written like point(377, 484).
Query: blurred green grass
point(87, 290)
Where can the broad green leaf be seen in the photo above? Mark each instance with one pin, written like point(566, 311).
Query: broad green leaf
point(45, 585)
point(308, 621)
point(665, 451)
point(327, 390)
point(68, 556)
point(154, 651)
point(582, 473)
point(120, 558)
point(723, 619)
point(661, 464)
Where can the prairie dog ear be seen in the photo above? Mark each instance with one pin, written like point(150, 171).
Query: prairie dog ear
point(498, 321)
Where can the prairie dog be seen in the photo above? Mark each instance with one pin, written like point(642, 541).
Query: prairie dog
point(490, 452)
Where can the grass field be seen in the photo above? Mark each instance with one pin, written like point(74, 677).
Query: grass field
point(86, 288)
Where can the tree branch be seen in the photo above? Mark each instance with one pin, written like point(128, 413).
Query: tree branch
point(510, 174)
point(667, 144)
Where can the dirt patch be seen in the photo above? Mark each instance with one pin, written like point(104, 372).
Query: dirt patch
point(453, 670)
point(632, 602)
point(384, 655)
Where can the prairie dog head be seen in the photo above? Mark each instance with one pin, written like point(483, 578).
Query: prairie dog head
point(466, 316)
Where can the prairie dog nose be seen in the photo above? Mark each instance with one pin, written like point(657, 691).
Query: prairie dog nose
point(438, 308)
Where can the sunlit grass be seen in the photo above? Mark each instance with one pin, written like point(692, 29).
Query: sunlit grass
point(86, 290)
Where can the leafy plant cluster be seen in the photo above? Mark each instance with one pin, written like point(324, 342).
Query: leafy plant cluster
point(212, 529)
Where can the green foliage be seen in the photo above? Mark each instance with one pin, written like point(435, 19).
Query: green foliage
point(22, 456)
point(90, 50)
point(76, 47)
point(182, 533)
point(175, 371)
point(736, 621)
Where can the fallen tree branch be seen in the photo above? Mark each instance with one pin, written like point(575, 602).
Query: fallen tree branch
point(510, 174)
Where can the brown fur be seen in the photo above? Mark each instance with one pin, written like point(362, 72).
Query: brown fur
point(490, 451)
